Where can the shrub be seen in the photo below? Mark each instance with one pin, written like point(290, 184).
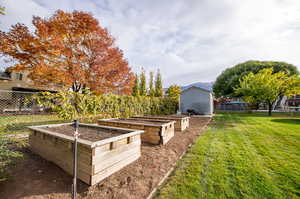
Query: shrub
point(72, 105)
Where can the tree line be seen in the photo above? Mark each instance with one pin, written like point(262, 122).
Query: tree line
point(154, 88)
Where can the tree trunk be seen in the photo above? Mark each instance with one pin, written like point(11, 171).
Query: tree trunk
point(270, 108)
point(76, 87)
point(257, 106)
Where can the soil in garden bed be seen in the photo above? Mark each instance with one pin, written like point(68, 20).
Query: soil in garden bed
point(87, 133)
point(142, 121)
point(170, 116)
point(36, 178)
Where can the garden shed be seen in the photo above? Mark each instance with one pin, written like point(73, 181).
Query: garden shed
point(196, 99)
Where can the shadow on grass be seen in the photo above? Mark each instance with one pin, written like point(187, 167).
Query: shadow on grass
point(287, 121)
point(225, 121)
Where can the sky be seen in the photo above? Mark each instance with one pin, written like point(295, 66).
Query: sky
point(187, 40)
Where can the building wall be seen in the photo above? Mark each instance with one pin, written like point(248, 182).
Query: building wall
point(16, 92)
point(25, 82)
point(14, 81)
point(198, 100)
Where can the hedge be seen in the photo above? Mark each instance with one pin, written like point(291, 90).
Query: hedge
point(71, 105)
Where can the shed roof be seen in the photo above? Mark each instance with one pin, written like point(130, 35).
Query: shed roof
point(203, 89)
point(207, 86)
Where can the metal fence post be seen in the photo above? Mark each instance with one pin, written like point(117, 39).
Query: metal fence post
point(76, 134)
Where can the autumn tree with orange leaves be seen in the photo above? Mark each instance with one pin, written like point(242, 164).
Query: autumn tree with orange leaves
point(71, 50)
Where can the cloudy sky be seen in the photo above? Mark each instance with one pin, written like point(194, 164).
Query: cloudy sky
point(188, 40)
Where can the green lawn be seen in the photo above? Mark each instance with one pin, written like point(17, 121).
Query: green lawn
point(241, 156)
point(11, 127)
point(17, 123)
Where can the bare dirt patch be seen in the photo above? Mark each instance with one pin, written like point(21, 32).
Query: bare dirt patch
point(35, 178)
point(87, 133)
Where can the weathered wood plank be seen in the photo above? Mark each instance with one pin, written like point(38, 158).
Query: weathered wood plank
point(55, 154)
point(101, 156)
point(63, 162)
point(114, 168)
point(107, 161)
point(182, 122)
point(106, 148)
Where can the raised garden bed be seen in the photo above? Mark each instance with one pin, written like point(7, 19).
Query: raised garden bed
point(33, 177)
point(102, 150)
point(156, 131)
point(182, 121)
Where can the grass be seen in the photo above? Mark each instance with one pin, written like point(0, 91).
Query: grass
point(16, 124)
point(241, 156)
point(11, 127)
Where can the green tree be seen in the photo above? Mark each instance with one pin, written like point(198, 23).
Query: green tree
point(174, 91)
point(158, 85)
point(151, 87)
point(266, 87)
point(143, 88)
point(229, 79)
point(136, 87)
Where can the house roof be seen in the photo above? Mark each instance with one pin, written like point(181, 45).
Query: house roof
point(4, 78)
point(32, 89)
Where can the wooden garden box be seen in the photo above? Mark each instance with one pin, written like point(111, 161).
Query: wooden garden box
point(182, 121)
point(100, 154)
point(155, 131)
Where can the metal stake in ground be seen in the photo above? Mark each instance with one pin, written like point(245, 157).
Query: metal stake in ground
point(76, 134)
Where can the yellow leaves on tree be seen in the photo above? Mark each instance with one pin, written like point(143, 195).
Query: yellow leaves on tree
point(266, 87)
point(174, 91)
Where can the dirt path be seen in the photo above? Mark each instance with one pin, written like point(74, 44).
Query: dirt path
point(35, 178)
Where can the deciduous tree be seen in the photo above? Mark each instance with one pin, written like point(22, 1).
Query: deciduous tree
point(266, 87)
point(174, 91)
point(71, 50)
point(229, 79)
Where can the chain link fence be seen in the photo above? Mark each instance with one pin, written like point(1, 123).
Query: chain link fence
point(18, 102)
point(18, 110)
